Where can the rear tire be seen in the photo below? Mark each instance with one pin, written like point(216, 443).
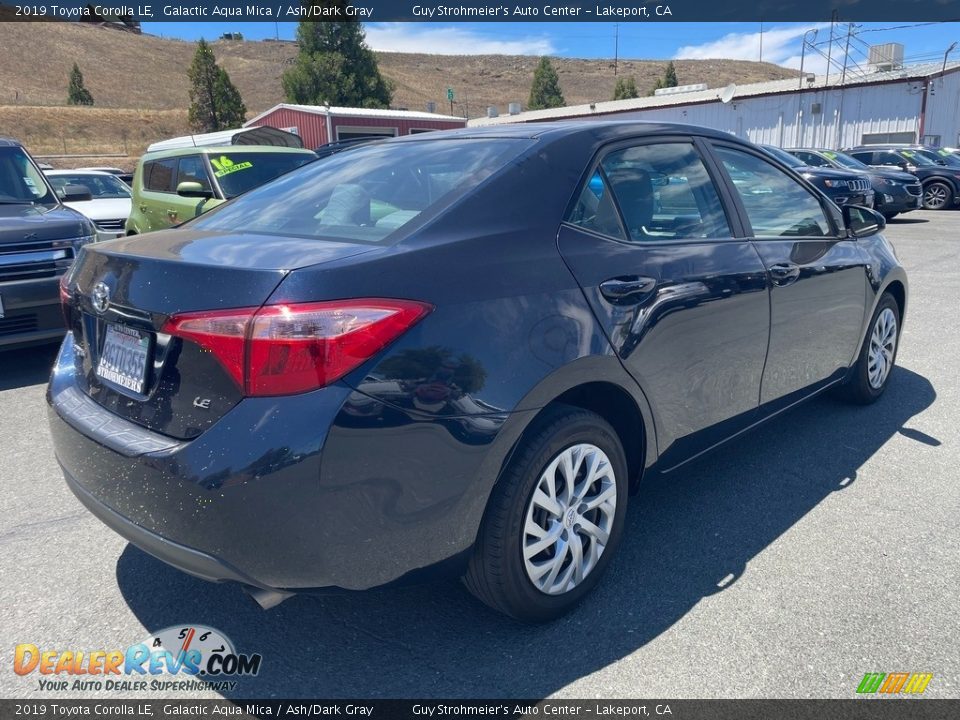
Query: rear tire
point(554, 519)
point(937, 196)
point(878, 355)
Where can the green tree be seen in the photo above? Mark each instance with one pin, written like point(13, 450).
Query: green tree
point(77, 94)
point(670, 76)
point(545, 91)
point(215, 103)
point(625, 88)
point(335, 66)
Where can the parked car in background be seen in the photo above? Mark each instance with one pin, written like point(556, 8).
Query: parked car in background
point(894, 191)
point(173, 186)
point(841, 186)
point(39, 237)
point(109, 203)
point(127, 177)
point(458, 352)
point(941, 184)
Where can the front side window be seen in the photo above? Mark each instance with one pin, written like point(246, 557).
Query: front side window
point(663, 192)
point(20, 181)
point(366, 194)
point(775, 203)
point(191, 169)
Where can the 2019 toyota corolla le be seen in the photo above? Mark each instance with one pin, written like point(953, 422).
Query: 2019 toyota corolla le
point(457, 352)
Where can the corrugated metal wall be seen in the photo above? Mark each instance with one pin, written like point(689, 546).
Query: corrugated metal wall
point(841, 120)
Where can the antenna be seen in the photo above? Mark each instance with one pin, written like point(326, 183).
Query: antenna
point(726, 95)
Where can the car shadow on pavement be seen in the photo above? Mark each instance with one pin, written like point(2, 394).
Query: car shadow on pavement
point(906, 221)
point(690, 534)
point(26, 366)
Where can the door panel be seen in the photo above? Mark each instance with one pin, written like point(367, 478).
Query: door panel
point(684, 305)
point(817, 277)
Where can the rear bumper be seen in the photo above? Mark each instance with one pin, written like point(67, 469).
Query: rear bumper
point(297, 493)
point(31, 312)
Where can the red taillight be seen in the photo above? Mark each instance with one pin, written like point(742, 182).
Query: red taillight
point(286, 349)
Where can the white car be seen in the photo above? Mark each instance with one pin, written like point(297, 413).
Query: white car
point(109, 206)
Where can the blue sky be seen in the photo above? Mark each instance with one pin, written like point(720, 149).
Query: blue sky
point(781, 41)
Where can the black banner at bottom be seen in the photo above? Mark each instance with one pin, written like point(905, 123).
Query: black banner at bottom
point(854, 709)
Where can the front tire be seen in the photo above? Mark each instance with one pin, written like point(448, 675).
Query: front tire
point(554, 519)
point(878, 355)
point(937, 196)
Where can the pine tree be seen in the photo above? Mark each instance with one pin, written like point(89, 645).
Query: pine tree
point(670, 76)
point(545, 91)
point(215, 103)
point(625, 88)
point(77, 94)
point(335, 66)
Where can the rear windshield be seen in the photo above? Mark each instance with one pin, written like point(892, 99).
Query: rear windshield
point(366, 193)
point(238, 172)
point(20, 181)
point(846, 160)
point(101, 187)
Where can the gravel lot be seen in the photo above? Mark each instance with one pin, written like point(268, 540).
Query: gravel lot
point(788, 564)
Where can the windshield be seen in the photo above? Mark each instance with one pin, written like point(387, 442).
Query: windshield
point(784, 157)
point(101, 187)
point(20, 180)
point(915, 157)
point(845, 160)
point(941, 158)
point(238, 172)
point(368, 193)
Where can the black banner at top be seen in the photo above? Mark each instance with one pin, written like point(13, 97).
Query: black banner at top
point(478, 10)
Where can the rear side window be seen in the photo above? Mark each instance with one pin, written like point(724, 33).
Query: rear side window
point(595, 209)
point(158, 175)
point(367, 193)
point(664, 193)
point(776, 204)
point(811, 159)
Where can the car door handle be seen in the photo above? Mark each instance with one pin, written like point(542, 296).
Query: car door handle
point(143, 208)
point(172, 214)
point(784, 273)
point(627, 289)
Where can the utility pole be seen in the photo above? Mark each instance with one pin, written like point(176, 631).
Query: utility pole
point(846, 52)
point(616, 47)
point(761, 39)
point(833, 19)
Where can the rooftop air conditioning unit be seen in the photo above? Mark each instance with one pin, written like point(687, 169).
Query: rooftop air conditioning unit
point(680, 89)
point(888, 56)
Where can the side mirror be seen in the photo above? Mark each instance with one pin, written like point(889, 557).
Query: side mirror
point(193, 190)
point(862, 222)
point(76, 193)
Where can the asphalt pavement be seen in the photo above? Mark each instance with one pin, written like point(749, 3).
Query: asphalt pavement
point(821, 547)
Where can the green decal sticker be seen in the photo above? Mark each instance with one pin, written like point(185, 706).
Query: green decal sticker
point(225, 166)
point(908, 153)
point(942, 152)
point(831, 155)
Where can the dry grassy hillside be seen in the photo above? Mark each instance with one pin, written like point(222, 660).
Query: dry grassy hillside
point(146, 76)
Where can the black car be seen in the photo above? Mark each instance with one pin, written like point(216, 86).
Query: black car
point(941, 184)
point(841, 186)
point(38, 240)
point(894, 191)
point(458, 353)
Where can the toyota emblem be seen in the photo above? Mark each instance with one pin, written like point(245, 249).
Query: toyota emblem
point(100, 297)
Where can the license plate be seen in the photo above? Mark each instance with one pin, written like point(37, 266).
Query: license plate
point(123, 359)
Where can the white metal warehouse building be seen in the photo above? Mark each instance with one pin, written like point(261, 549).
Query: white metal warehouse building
point(919, 103)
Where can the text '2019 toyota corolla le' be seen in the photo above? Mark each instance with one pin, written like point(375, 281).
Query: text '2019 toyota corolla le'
point(457, 352)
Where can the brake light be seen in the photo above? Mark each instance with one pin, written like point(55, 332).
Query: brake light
point(287, 349)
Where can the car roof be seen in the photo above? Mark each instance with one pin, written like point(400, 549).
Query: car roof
point(599, 130)
point(215, 149)
point(9, 142)
point(78, 171)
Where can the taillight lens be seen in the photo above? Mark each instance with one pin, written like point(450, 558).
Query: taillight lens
point(287, 349)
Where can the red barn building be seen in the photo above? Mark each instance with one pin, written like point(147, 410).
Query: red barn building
point(319, 124)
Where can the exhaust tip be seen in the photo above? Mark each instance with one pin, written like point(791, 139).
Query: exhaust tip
point(266, 599)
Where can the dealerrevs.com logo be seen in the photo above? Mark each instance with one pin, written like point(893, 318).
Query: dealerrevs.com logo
point(894, 683)
point(195, 656)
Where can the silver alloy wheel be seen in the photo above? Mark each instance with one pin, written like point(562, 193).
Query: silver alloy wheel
point(935, 196)
point(883, 343)
point(569, 518)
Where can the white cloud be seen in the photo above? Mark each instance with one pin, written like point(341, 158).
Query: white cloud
point(781, 45)
point(416, 38)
